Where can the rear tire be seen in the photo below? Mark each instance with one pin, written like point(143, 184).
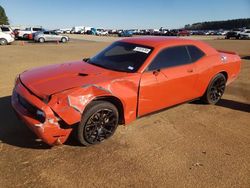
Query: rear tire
point(41, 40)
point(98, 123)
point(3, 42)
point(215, 89)
point(25, 36)
point(64, 40)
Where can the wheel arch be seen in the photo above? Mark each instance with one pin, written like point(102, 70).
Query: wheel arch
point(116, 102)
point(5, 40)
point(224, 73)
point(211, 79)
point(41, 38)
point(63, 37)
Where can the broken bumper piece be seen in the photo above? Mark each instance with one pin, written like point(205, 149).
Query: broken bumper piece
point(45, 125)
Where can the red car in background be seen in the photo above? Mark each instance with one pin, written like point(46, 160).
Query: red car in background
point(129, 79)
point(183, 33)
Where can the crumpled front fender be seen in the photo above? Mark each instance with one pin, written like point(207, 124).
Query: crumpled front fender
point(70, 104)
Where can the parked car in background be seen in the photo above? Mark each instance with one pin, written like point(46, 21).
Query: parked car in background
point(172, 32)
point(183, 32)
point(15, 31)
point(113, 31)
point(67, 30)
point(129, 79)
point(46, 36)
point(58, 31)
point(232, 34)
point(79, 29)
point(125, 33)
point(224, 33)
point(6, 38)
point(245, 34)
point(6, 29)
point(24, 34)
point(101, 32)
point(197, 32)
point(92, 31)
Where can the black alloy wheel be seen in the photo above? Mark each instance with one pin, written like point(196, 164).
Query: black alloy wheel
point(98, 124)
point(215, 89)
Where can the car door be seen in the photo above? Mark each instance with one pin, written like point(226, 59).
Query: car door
point(169, 80)
point(55, 36)
point(46, 35)
point(50, 36)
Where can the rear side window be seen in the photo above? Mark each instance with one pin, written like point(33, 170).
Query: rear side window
point(5, 29)
point(170, 57)
point(37, 29)
point(195, 53)
point(46, 33)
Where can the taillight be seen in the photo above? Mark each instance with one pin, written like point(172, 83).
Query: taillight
point(12, 35)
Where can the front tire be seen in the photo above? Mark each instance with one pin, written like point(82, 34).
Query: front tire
point(98, 123)
point(215, 89)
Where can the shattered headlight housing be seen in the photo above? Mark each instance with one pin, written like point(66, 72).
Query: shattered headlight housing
point(40, 115)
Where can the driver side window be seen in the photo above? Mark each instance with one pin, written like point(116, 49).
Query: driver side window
point(170, 57)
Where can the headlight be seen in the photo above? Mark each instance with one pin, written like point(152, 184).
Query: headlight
point(40, 113)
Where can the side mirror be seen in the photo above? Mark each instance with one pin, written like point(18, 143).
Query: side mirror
point(86, 59)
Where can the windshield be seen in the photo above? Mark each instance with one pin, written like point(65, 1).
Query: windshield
point(121, 56)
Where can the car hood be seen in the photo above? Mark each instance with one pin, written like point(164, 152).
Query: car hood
point(52, 79)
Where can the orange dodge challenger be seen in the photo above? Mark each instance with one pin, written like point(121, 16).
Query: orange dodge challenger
point(129, 79)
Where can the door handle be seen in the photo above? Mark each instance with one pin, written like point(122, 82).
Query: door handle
point(190, 70)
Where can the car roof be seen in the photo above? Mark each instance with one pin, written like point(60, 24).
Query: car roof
point(163, 42)
point(155, 41)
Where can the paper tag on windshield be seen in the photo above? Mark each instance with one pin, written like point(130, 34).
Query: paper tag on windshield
point(143, 50)
point(130, 68)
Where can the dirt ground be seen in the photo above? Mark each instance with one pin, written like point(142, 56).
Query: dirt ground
point(191, 145)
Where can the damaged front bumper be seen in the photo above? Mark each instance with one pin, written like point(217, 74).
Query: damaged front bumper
point(48, 127)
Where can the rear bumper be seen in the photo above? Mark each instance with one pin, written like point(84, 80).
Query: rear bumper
point(11, 40)
point(49, 131)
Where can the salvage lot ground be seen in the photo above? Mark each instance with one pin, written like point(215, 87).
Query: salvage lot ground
point(192, 145)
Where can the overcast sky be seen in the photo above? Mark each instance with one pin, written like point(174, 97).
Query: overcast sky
point(127, 14)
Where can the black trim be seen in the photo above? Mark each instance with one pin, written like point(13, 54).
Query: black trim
point(138, 96)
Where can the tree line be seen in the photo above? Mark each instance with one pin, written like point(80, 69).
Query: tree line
point(3, 18)
point(215, 25)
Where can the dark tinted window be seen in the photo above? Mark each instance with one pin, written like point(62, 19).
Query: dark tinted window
point(170, 57)
point(195, 53)
point(46, 33)
point(5, 29)
point(37, 29)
